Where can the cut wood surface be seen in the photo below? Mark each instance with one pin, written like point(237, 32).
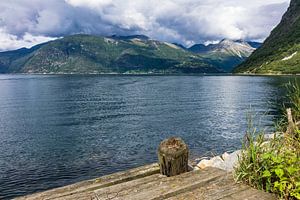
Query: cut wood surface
point(146, 183)
point(173, 156)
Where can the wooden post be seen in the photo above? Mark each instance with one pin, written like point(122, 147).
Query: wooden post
point(173, 156)
point(291, 125)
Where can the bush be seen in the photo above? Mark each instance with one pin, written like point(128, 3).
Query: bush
point(273, 166)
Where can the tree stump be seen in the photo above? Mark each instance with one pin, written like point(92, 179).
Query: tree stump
point(173, 157)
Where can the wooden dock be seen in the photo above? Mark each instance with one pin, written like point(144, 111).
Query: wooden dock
point(146, 183)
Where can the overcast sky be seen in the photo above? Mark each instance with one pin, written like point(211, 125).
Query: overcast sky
point(28, 22)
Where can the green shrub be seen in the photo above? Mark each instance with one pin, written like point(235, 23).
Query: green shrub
point(273, 166)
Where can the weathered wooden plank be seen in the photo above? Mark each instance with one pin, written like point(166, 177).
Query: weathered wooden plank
point(91, 185)
point(125, 190)
point(162, 188)
point(115, 190)
point(250, 194)
point(223, 188)
point(215, 189)
point(146, 183)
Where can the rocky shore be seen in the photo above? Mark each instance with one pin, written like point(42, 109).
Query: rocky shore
point(226, 161)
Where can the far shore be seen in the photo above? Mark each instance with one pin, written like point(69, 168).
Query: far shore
point(157, 74)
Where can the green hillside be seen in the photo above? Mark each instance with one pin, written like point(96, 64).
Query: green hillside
point(95, 54)
point(280, 53)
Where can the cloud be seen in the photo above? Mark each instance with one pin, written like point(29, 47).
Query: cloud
point(9, 41)
point(25, 23)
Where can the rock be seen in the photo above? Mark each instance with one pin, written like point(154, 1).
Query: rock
point(231, 160)
point(204, 163)
point(225, 156)
point(217, 162)
point(269, 136)
point(202, 158)
point(213, 162)
point(225, 162)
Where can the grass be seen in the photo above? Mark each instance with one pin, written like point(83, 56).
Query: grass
point(293, 89)
point(273, 166)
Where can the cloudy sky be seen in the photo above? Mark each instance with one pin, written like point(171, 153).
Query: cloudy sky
point(28, 22)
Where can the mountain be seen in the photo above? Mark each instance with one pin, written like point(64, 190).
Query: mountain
point(180, 46)
point(96, 54)
point(9, 57)
point(226, 54)
point(280, 53)
point(255, 45)
point(124, 54)
point(199, 48)
point(237, 48)
point(129, 37)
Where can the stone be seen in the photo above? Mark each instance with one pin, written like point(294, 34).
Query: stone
point(217, 162)
point(225, 156)
point(226, 162)
point(231, 160)
point(204, 163)
point(269, 136)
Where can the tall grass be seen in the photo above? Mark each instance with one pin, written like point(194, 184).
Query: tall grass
point(273, 166)
point(293, 96)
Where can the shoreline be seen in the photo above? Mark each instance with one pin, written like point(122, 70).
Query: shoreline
point(268, 74)
point(156, 74)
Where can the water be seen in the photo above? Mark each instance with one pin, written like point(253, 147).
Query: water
point(57, 130)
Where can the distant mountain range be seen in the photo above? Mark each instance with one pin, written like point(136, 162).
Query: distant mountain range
point(124, 54)
point(280, 53)
point(226, 44)
point(227, 54)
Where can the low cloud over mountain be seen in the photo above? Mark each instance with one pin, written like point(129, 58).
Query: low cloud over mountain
point(25, 23)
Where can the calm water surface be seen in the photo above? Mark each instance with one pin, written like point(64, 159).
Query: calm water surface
point(57, 130)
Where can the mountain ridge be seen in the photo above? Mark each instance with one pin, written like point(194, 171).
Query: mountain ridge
point(96, 54)
point(83, 53)
point(279, 54)
point(226, 54)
